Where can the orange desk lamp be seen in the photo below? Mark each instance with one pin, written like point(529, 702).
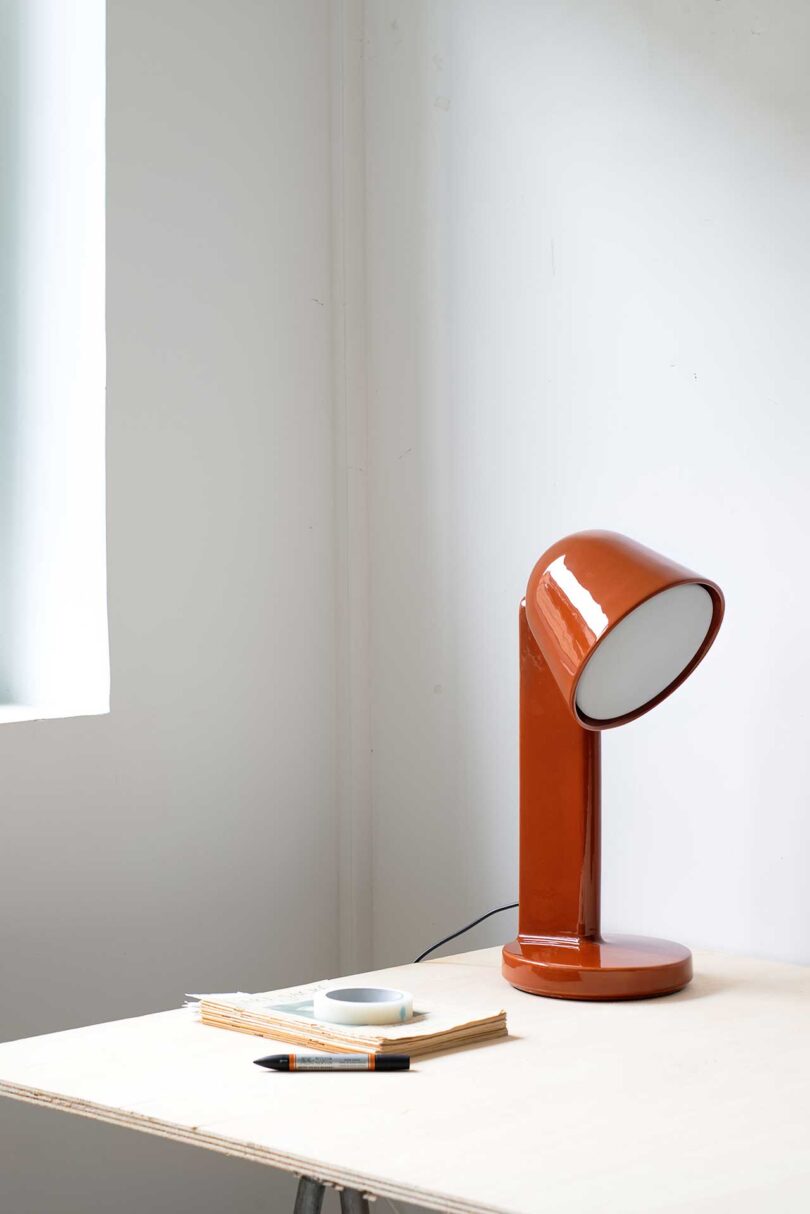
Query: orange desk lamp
point(608, 629)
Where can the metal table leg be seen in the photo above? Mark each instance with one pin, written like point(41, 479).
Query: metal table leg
point(353, 1202)
point(309, 1198)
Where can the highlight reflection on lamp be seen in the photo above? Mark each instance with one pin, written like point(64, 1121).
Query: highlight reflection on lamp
point(608, 629)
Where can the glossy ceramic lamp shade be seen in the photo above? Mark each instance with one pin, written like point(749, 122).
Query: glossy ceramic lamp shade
point(608, 629)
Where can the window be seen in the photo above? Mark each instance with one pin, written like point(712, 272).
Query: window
point(53, 616)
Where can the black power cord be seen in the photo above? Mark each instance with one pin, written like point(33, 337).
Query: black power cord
point(462, 930)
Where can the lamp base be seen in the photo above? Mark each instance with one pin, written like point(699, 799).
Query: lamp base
point(611, 967)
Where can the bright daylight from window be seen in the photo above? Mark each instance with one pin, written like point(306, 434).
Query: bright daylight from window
point(53, 616)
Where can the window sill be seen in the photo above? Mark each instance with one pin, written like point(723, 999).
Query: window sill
point(10, 713)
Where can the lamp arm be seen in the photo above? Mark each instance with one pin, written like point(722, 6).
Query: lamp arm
point(560, 828)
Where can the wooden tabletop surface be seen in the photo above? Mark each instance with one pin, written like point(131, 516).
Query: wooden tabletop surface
point(695, 1102)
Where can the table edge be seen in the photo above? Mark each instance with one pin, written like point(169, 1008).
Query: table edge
point(334, 1177)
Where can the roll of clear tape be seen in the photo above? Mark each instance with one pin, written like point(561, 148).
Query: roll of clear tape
point(361, 1005)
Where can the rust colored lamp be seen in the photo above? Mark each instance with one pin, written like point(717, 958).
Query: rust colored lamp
point(608, 629)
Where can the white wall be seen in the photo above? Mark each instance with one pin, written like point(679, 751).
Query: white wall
point(588, 288)
point(187, 840)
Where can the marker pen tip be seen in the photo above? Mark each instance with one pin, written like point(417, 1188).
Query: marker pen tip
point(273, 1062)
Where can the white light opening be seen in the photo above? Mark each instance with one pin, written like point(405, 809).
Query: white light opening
point(645, 653)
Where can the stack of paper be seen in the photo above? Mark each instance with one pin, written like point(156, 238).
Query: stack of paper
point(286, 1015)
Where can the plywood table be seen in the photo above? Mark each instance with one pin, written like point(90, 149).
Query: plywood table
point(698, 1101)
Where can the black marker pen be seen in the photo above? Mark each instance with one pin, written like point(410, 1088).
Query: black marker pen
point(335, 1062)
